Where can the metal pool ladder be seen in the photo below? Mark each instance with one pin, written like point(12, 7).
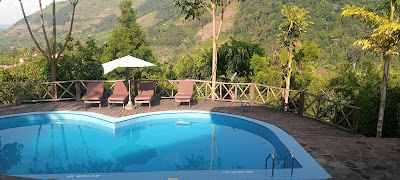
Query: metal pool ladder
point(284, 163)
point(273, 163)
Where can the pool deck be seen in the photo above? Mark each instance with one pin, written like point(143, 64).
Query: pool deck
point(342, 154)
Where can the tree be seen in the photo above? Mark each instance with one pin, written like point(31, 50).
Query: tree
point(81, 61)
point(384, 39)
point(195, 9)
point(126, 39)
point(235, 56)
point(194, 66)
point(303, 74)
point(354, 54)
point(51, 53)
point(294, 25)
point(266, 70)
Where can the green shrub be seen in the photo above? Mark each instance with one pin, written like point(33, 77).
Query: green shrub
point(35, 71)
point(5, 76)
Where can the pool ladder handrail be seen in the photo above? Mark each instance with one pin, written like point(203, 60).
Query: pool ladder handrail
point(284, 163)
point(273, 163)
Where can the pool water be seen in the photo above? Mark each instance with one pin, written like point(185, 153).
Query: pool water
point(59, 147)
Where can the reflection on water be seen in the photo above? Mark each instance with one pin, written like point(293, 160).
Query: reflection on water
point(10, 155)
point(59, 148)
point(194, 163)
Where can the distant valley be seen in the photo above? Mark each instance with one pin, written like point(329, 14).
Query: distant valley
point(5, 26)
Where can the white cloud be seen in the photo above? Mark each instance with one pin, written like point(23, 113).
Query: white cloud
point(10, 10)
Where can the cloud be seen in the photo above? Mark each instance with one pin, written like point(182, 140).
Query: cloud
point(10, 10)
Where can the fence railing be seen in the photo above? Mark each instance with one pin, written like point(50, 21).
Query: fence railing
point(300, 102)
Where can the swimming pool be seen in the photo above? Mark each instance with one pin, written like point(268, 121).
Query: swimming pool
point(169, 144)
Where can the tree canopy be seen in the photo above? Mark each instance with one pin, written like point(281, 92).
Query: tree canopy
point(126, 39)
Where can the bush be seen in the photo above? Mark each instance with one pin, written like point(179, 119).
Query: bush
point(194, 67)
point(5, 76)
point(35, 71)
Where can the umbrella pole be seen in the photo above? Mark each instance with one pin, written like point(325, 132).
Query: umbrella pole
point(129, 106)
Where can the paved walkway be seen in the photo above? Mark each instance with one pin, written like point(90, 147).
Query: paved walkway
point(342, 154)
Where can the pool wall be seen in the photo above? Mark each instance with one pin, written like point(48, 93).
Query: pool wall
point(307, 167)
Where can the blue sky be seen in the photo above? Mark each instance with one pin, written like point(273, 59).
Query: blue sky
point(10, 10)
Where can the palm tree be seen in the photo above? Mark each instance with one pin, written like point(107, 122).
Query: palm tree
point(384, 39)
point(294, 25)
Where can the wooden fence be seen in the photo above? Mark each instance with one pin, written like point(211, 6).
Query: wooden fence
point(300, 102)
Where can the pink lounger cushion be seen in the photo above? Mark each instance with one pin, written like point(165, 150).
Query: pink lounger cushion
point(120, 93)
point(143, 97)
point(146, 93)
point(92, 97)
point(118, 97)
point(94, 91)
point(185, 92)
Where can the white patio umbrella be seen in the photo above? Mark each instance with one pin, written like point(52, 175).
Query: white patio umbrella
point(127, 61)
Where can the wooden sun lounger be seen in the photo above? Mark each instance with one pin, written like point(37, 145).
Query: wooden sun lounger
point(146, 93)
point(185, 92)
point(120, 93)
point(93, 94)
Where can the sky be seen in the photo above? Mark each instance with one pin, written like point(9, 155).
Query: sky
point(10, 10)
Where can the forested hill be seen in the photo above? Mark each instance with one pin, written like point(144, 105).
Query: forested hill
point(258, 21)
point(171, 36)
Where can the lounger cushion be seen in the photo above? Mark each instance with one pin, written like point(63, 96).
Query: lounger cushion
point(92, 97)
point(94, 91)
point(183, 96)
point(118, 97)
point(143, 97)
point(185, 91)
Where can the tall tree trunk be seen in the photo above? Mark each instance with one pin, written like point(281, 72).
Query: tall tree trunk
point(386, 58)
point(214, 58)
point(289, 73)
point(54, 49)
point(382, 103)
point(30, 32)
point(44, 28)
point(51, 53)
point(53, 66)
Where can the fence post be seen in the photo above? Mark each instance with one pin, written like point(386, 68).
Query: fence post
point(283, 96)
point(172, 88)
point(16, 91)
point(336, 112)
point(220, 92)
point(319, 103)
point(301, 105)
point(357, 117)
point(252, 89)
point(39, 92)
point(77, 90)
point(54, 84)
point(236, 92)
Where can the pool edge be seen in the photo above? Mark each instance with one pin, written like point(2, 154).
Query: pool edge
point(291, 144)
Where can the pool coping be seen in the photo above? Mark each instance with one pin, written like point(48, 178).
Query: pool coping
point(310, 168)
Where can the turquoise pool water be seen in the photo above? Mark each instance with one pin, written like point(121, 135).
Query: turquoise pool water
point(72, 144)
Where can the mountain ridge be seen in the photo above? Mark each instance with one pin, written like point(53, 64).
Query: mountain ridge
point(171, 36)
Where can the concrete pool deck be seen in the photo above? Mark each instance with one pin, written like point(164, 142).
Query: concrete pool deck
point(342, 154)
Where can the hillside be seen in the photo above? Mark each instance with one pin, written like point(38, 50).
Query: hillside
point(171, 36)
point(4, 26)
point(88, 20)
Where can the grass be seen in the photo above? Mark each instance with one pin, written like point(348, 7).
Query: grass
point(149, 20)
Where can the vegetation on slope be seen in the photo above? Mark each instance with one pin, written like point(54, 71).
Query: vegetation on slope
point(325, 60)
